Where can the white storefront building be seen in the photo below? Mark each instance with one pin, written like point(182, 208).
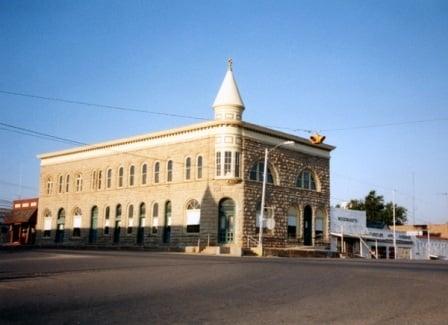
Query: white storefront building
point(350, 236)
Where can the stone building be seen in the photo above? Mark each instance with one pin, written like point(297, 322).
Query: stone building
point(199, 184)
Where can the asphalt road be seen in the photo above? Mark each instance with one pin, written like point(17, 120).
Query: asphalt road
point(85, 287)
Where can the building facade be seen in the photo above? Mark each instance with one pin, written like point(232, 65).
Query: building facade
point(195, 185)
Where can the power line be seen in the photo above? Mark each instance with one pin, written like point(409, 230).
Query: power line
point(113, 107)
point(17, 185)
point(141, 110)
point(385, 124)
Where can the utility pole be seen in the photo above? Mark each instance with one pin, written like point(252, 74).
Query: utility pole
point(413, 198)
point(393, 216)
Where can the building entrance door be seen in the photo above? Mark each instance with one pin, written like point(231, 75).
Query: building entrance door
point(141, 231)
point(226, 221)
point(117, 231)
point(60, 229)
point(308, 226)
point(93, 225)
point(167, 224)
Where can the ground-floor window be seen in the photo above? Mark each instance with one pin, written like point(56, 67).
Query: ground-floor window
point(193, 216)
point(77, 218)
point(292, 223)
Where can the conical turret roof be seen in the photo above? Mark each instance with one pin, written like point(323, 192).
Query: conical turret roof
point(228, 94)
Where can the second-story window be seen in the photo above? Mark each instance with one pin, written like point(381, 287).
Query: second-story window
point(100, 179)
point(199, 167)
point(60, 184)
point(78, 182)
point(156, 172)
point(131, 175)
point(67, 183)
point(94, 180)
point(218, 163)
point(49, 185)
point(120, 177)
point(169, 171)
point(144, 173)
point(109, 178)
point(188, 168)
point(227, 163)
point(237, 164)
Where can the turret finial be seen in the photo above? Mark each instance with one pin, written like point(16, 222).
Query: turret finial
point(229, 64)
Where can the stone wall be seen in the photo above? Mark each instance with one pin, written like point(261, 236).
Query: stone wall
point(286, 166)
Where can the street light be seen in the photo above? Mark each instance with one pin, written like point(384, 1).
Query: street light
point(263, 192)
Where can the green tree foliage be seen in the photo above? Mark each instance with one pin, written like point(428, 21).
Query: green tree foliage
point(377, 211)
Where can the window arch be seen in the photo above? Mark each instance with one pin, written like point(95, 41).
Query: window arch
point(144, 174)
point(155, 217)
point(188, 168)
point(169, 171)
point(156, 172)
point(77, 219)
point(306, 180)
point(193, 216)
point(130, 219)
point(47, 223)
point(256, 173)
point(120, 176)
point(199, 167)
point(49, 185)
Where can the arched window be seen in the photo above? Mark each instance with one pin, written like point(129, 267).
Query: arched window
point(118, 211)
point(256, 173)
point(319, 225)
point(109, 178)
point(193, 216)
point(131, 175)
point(155, 217)
point(199, 167)
point(156, 172)
point(78, 182)
point(130, 219)
point(120, 176)
point(77, 219)
point(49, 185)
point(144, 173)
point(292, 223)
point(142, 210)
point(94, 180)
point(306, 180)
point(100, 179)
point(188, 168)
point(60, 183)
point(167, 222)
point(107, 221)
point(47, 223)
point(169, 171)
point(67, 183)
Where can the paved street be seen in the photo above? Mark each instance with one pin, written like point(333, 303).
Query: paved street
point(66, 286)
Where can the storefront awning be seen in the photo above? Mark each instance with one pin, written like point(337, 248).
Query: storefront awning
point(370, 238)
point(20, 216)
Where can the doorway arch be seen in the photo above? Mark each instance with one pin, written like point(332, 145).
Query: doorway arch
point(226, 221)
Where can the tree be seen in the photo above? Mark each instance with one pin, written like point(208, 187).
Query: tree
point(377, 211)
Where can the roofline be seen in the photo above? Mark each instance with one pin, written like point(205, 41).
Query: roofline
point(185, 129)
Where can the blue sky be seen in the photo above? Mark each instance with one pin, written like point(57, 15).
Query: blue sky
point(319, 65)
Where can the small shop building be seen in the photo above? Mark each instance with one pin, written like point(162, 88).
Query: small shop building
point(350, 236)
point(21, 222)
